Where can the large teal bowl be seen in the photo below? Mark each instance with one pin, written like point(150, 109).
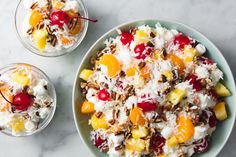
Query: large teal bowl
point(224, 129)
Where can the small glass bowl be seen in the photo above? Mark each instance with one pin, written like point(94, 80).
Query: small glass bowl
point(20, 14)
point(51, 92)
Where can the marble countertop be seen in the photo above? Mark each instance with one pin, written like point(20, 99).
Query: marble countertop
point(214, 18)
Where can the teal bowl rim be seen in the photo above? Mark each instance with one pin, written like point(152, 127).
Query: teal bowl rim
point(230, 74)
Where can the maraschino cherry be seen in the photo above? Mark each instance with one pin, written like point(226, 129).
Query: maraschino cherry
point(126, 38)
point(181, 40)
point(147, 106)
point(103, 95)
point(61, 17)
point(142, 51)
point(21, 101)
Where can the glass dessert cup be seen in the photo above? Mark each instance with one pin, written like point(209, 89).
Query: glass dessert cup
point(20, 20)
point(37, 76)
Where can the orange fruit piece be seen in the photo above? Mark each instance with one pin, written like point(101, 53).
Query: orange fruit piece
point(4, 105)
point(136, 116)
point(112, 64)
point(131, 71)
point(176, 61)
point(87, 107)
point(77, 27)
point(145, 73)
point(185, 129)
point(35, 18)
point(64, 40)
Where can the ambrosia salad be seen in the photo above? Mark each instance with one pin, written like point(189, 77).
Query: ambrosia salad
point(52, 25)
point(25, 100)
point(152, 92)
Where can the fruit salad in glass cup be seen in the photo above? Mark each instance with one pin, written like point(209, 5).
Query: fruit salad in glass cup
point(27, 100)
point(52, 26)
point(152, 92)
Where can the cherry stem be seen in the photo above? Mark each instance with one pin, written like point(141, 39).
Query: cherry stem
point(5, 98)
point(91, 20)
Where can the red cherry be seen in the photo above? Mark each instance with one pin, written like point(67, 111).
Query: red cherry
point(201, 145)
point(157, 143)
point(98, 141)
point(147, 106)
point(22, 101)
point(142, 51)
point(103, 95)
point(126, 38)
point(181, 40)
point(195, 82)
point(59, 18)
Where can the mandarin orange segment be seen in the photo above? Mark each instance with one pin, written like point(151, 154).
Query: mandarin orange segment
point(35, 18)
point(65, 40)
point(185, 129)
point(176, 61)
point(111, 63)
point(145, 73)
point(77, 27)
point(87, 107)
point(136, 116)
point(131, 71)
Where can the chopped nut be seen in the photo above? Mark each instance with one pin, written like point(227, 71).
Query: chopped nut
point(83, 84)
point(34, 5)
point(141, 65)
point(118, 147)
point(98, 114)
point(112, 122)
point(152, 35)
point(30, 31)
point(150, 44)
point(93, 85)
point(122, 74)
point(93, 60)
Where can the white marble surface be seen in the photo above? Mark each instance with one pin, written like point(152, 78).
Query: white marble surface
point(214, 18)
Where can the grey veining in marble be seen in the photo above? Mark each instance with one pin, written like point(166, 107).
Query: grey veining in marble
point(214, 18)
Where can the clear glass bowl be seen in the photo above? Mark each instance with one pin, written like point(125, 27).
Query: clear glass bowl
point(20, 14)
point(51, 92)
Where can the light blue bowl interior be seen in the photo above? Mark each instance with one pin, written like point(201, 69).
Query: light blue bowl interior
point(224, 129)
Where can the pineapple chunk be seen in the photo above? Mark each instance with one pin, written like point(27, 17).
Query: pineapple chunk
point(135, 145)
point(21, 78)
point(168, 74)
point(17, 125)
point(141, 36)
point(221, 90)
point(85, 74)
point(39, 37)
point(172, 142)
point(139, 132)
point(189, 54)
point(176, 96)
point(99, 123)
point(220, 111)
